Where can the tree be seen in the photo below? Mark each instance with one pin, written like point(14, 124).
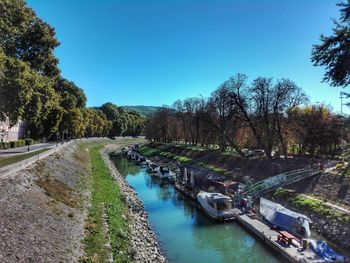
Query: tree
point(334, 50)
point(286, 96)
point(71, 95)
point(316, 129)
point(262, 107)
point(26, 95)
point(221, 110)
point(26, 37)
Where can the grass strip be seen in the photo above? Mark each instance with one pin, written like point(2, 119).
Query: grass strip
point(317, 207)
point(105, 190)
point(149, 152)
point(19, 157)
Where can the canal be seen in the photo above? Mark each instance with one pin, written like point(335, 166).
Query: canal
point(185, 234)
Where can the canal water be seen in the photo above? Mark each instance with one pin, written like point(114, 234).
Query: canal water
point(185, 234)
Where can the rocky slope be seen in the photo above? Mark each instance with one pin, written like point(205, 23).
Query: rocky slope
point(42, 209)
point(143, 240)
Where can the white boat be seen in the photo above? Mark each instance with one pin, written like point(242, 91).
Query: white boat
point(133, 155)
point(137, 157)
point(216, 205)
point(142, 161)
point(152, 167)
point(162, 172)
point(172, 177)
point(129, 154)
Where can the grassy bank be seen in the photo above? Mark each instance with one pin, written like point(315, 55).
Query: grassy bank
point(184, 154)
point(150, 152)
point(105, 195)
point(19, 157)
point(315, 206)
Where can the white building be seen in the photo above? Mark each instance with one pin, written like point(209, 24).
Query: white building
point(8, 134)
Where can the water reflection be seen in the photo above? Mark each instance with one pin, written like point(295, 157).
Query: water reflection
point(186, 234)
point(125, 165)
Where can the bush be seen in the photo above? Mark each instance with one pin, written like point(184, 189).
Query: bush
point(29, 141)
point(13, 144)
point(4, 145)
point(21, 143)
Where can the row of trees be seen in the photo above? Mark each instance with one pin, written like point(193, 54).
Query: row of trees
point(33, 90)
point(123, 122)
point(265, 114)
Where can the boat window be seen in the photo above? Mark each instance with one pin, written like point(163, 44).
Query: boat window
point(224, 205)
point(210, 203)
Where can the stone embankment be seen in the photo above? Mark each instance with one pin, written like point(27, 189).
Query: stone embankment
point(42, 209)
point(143, 240)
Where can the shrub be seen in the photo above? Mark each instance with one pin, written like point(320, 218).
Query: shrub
point(29, 141)
point(21, 143)
point(4, 145)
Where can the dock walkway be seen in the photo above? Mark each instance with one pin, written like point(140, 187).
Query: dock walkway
point(291, 253)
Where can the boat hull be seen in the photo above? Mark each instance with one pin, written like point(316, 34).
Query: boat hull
point(202, 201)
point(216, 218)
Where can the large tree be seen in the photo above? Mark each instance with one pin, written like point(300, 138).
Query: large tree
point(334, 51)
point(27, 95)
point(25, 36)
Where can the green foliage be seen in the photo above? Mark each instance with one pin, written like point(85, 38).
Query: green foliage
point(31, 88)
point(182, 159)
point(148, 151)
point(282, 193)
point(4, 145)
point(26, 37)
point(317, 130)
point(27, 95)
point(334, 51)
point(105, 196)
point(18, 143)
point(144, 110)
point(96, 123)
point(124, 122)
point(29, 141)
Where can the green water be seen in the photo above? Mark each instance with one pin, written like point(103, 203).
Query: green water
point(184, 233)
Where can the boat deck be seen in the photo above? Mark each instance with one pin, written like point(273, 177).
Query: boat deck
point(292, 253)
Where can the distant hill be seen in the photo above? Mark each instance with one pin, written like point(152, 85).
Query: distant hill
point(145, 110)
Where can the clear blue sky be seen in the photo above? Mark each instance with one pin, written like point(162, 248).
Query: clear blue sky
point(152, 52)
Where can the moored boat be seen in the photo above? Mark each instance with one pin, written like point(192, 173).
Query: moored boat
point(142, 161)
point(162, 172)
point(152, 167)
point(216, 205)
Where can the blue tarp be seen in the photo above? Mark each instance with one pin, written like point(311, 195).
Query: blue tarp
point(326, 252)
point(284, 218)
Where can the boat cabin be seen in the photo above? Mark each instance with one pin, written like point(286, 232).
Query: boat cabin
point(216, 205)
point(219, 202)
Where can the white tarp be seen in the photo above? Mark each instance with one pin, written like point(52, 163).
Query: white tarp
point(284, 218)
